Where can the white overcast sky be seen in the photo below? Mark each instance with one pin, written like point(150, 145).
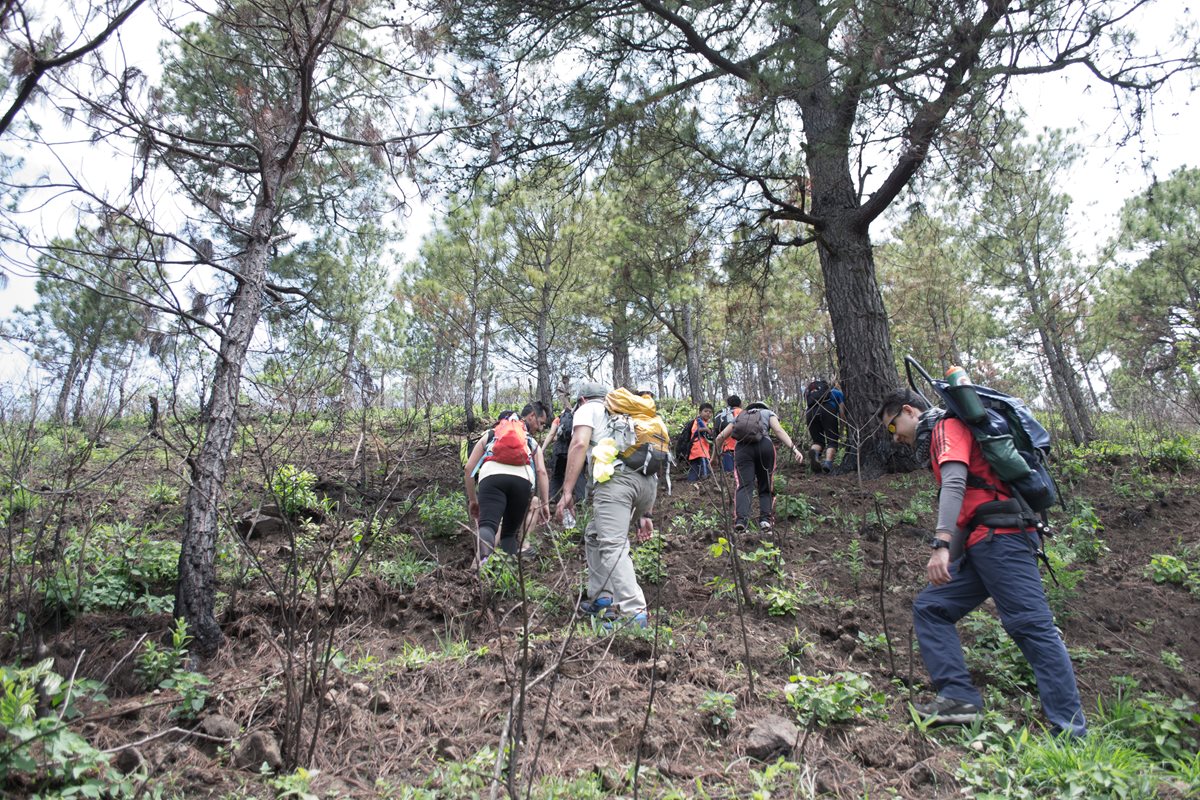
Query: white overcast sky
point(1108, 174)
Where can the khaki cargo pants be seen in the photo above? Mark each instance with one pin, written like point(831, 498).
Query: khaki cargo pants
point(617, 502)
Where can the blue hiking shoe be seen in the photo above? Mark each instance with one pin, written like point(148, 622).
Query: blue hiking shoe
point(600, 607)
point(638, 620)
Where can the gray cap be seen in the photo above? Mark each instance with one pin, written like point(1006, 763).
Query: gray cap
point(589, 389)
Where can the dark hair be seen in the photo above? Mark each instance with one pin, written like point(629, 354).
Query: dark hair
point(755, 405)
point(704, 406)
point(897, 399)
point(506, 415)
point(733, 401)
point(536, 407)
point(645, 393)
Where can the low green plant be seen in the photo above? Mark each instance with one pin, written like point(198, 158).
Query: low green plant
point(767, 555)
point(17, 500)
point(781, 601)
point(193, 693)
point(39, 752)
point(293, 489)
point(852, 558)
point(648, 562)
point(1172, 660)
point(444, 516)
point(502, 575)
point(113, 567)
point(162, 493)
point(1030, 765)
point(718, 709)
point(1080, 536)
point(403, 571)
point(993, 652)
point(1162, 728)
point(413, 656)
point(156, 662)
point(824, 699)
point(1165, 568)
point(296, 785)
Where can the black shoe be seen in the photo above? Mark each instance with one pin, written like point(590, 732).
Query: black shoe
point(814, 461)
point(945, 711)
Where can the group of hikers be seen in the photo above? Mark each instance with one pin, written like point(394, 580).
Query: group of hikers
point(610, 448)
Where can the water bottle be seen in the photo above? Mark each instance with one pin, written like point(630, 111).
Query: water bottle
point(568, 519)
point(964, 395)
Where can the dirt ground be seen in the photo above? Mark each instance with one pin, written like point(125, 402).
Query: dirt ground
point(586, 696)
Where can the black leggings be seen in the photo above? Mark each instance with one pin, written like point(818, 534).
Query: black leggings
point(755, 469)
point(503, 501)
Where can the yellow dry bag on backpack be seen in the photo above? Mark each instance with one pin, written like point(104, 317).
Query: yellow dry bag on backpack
point(639, 435)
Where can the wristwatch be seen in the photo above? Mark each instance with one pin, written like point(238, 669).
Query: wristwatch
point(936, 543)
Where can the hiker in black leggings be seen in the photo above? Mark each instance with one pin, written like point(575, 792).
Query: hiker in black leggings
point(754, 468)
point(504, 492)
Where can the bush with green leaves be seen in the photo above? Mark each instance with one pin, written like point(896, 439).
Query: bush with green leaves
point(40, 755)
point(113, 567)
point(781, 601)
point(1161, 727)
point(403, 571)
point(824, 699)
point(17, 500)
point(163, 493)
point(1030, 765)
point(1165, 568)
point(718, 710)
point(157, 662)
point(648, 561)
point(501, 574)
point(992, 651)
point(1080, 536)
point(293, 489)
point(444, 516)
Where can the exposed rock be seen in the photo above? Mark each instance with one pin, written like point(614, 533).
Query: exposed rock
point(771, 737)
point(129, 760)
point(381, 702)
point(260, 523)
point(220, 726)
point(447, 750)
point(360, 689)
point(258, 749)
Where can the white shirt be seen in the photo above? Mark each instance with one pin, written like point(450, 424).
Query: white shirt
point(592, 415)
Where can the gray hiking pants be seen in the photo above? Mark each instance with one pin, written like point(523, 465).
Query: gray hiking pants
point(617, 502)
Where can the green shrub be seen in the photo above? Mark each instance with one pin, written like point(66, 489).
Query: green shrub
point(1027, 765)
point(994, 653)
point(113, 568)
point(825, 699)
point(781, 601)
point(292, 488)
point(718, 709)
point(1168, 569)
point(18, 500)
point(1160, 727)
point(403, 571)
point(41, 755)
point(156, 663)
point(443, 515)
point(163, 493)
point(648, 561)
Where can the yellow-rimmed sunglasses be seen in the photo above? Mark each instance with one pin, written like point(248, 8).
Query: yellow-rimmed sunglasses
point(891, 426)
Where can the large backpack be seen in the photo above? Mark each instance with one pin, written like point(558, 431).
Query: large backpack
point(508, 443)
point(1014, 444)
point(642, 440)
point(819, 392)
point(751, 425)
point(566, 427)
point(683, 441)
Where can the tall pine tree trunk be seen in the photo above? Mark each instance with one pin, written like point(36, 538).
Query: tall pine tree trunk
point(64, 394)
point(484, 376)
point(196, 591)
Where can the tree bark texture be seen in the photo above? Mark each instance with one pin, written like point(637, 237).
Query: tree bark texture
point(195, 595)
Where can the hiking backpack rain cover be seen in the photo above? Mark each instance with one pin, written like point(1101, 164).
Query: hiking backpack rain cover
point(642, 440)
point(509, 444)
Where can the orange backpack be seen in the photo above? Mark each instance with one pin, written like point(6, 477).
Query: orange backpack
point(509, 444)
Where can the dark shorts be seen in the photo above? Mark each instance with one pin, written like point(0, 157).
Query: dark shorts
point(823, 426)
